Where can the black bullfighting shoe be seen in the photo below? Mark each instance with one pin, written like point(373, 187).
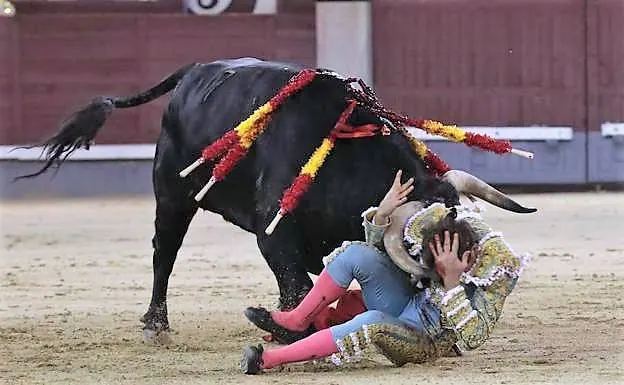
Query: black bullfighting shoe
point(261, 317)
point(251, 363)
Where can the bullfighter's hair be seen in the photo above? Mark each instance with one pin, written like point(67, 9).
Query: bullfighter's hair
point(467, 236)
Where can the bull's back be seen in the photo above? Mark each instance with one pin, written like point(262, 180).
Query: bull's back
point(214, 97)
point(211, 99)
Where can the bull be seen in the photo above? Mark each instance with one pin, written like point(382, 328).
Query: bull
point(207, 100)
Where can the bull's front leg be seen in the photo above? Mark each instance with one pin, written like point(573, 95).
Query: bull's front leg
point(284, 252)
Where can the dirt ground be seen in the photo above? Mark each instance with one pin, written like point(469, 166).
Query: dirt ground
point(75, 276)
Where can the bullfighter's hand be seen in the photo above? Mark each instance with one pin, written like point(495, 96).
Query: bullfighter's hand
point(447, 263)
point(395, 197)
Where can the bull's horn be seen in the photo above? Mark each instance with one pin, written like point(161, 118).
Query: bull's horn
point(470, 184)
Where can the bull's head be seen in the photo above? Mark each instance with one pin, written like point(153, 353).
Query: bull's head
point(464, 183)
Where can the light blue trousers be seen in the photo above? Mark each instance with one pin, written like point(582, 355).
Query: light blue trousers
point(386, 289)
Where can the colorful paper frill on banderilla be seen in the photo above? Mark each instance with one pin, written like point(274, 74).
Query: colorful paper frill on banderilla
point(236, 143)
point(292, 195)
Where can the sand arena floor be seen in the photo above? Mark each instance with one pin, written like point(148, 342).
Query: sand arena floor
point(75, 276)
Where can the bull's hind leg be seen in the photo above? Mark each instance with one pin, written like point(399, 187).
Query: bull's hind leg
point(174, 211)
point(285, 255)
point(171, 223)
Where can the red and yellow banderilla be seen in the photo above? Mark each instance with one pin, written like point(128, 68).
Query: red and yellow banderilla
point(290, 199)
point(236, 143)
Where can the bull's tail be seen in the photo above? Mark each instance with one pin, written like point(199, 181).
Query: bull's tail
point(80, 129)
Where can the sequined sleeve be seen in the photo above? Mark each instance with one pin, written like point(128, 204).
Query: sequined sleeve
point(473, 308)
point(373, 233)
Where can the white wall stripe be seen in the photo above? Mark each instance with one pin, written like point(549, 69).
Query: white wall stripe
point(531, 133)
point(97, 152)
point(612, 129)
point(146, 151)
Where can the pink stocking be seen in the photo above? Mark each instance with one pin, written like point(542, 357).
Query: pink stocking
point(324, 292)
point(318, 345)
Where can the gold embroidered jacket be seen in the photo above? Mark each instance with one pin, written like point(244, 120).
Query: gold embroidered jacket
point(473, 308)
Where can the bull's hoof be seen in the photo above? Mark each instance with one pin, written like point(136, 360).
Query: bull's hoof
point(157, 337)
point(156, 330)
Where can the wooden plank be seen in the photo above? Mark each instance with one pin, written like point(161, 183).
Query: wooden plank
point(224, 26)
point(14, 117)
point(482, 62)
point(202, 49)
point(305, 7)
point(592, 57)
point(66, 59)
point(78, 72)
point(6, 78)
point(295, 39)
point(35, 7)
point(610, 51)
point(113, 26)
point(73, 47)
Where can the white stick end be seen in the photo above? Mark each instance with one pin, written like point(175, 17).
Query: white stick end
point(184, 173)
point(524, 154)
point(278, 217)
point(200, 195)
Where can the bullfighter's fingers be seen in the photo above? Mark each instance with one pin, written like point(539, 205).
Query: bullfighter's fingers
point(407, 184)
point(447, 241)
point(405, 189)
point(455, 245)
point(433, 250)
point(406, 192)
point(437, 243)
point(397, 179)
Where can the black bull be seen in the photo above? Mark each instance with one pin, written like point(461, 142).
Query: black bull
point(208, 100)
